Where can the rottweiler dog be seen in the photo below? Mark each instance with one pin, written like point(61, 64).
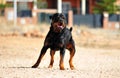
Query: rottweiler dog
point(60, 38)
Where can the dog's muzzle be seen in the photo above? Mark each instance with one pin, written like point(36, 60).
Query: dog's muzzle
point(58, 26)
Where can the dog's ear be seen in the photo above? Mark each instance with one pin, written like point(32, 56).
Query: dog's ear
point(70, 29)
point(50, 17)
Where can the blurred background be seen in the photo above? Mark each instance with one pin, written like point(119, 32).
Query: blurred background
point(31, 18)
point(96, 32)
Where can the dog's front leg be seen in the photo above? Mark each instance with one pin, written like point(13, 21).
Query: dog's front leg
point(52, 52)
point(62, 53)
point(43, 51)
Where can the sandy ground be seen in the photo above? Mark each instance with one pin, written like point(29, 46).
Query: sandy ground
point(18, 54)
point(97, 56)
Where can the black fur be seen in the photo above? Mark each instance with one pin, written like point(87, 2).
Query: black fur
point(58, 41)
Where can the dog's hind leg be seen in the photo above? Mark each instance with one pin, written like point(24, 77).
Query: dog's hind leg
point(71, 48)
point(43, 51)
point(52, 52)
point(72, 52)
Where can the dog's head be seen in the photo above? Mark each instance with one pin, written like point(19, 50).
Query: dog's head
point(58, 22)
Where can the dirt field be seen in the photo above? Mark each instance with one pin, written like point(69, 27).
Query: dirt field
point(97, 55)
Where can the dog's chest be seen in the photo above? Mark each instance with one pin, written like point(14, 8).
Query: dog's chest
point(56, 41)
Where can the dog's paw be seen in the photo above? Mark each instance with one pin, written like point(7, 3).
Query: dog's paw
point(72, 68)
point(34, 66)
point(62, 68)
point(50, 66)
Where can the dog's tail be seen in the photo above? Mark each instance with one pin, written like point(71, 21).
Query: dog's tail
point(71, 29)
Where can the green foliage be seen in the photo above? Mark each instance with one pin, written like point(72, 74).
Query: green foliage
point(41, 4)
point(9, 5)
point(2, 6)
point(106, 6)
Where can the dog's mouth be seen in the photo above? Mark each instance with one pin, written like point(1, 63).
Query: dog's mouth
point(58, 26)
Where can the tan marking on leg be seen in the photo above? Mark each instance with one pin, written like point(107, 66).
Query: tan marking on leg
point(52, 52)
point(72, 52)
point(61, 63)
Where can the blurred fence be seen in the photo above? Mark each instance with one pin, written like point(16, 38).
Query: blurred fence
point(24, 13)
point(114, 17)
point(90, 20)
point(94, 20)
point(43, 18)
